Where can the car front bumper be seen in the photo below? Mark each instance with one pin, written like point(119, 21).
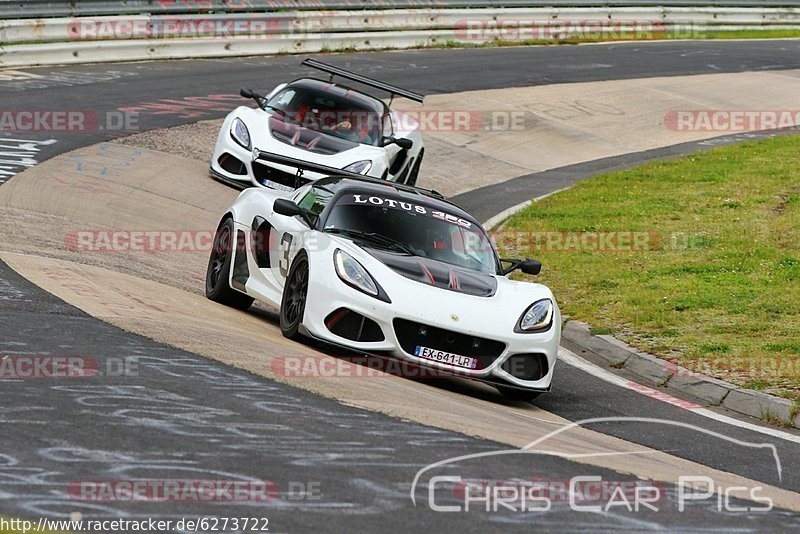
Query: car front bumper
point(328, 294)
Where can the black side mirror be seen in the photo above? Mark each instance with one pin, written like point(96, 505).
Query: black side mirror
point(527, 266)
point(284, 206)
point(531, 266)
point(404, 143)
point(249, 93)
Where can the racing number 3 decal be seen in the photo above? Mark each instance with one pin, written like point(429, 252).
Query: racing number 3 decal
point(283, 262)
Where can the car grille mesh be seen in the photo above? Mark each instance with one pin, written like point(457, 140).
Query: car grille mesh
point(411, 334)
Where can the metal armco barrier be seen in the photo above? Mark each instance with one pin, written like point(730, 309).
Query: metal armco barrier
point(80, 8)
point(130, 37)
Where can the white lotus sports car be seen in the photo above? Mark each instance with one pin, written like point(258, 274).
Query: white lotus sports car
point(319, 122)
point(387, 269)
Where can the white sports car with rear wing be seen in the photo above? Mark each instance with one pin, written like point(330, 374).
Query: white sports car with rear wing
point(386, 268)
point(319, 122)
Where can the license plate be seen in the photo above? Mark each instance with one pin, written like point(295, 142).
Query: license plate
point(449, 358)
point(276, 185)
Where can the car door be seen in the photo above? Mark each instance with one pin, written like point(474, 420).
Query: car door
point(286, 232)
point(394, 153)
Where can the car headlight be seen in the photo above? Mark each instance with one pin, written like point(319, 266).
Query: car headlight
point(537, 318)
point(359, 167)
point(354, 274)
point(239, 133)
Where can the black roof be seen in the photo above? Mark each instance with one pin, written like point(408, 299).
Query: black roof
point(430, 199)
point(342, 91)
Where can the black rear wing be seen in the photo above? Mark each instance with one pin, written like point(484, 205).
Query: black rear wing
point(337, 71)
point(302, 166)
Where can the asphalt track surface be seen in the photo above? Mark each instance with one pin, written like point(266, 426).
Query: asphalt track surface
point(184, 416)
point(106, 88)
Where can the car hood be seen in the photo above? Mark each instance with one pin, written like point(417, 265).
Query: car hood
point(307, 139)
point(418, 301)
point(436, 273)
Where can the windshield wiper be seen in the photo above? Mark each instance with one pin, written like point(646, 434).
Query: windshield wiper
point(379, 239)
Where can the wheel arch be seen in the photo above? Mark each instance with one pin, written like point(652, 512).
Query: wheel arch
point(302, 252)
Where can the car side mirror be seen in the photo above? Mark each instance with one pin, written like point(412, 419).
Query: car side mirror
point(288, 208)
point(249, 93)
point(284, 206)
point(527, 266)
point(402, 142)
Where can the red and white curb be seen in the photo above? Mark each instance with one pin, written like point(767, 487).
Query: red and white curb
point(572, 359)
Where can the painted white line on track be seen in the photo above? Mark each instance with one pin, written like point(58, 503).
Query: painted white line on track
point(572, 359)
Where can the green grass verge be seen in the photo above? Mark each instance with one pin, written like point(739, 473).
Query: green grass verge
point(715, 284)
point(749, 34)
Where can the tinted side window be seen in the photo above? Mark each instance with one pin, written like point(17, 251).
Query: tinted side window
point(282, 99)
point(316, 199)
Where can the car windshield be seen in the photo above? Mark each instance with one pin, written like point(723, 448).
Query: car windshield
point(402, 226)
point(329, 113)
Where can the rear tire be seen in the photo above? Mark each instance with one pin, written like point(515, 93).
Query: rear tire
point(293, 303)
point(219, 267)
point(414, 174)
point(517, 394)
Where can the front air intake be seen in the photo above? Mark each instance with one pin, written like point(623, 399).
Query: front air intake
point(353, 326)
point(526, 366)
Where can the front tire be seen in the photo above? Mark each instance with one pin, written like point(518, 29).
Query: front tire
point(293, 302)
point(219, 267)
point(517, 394)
